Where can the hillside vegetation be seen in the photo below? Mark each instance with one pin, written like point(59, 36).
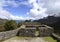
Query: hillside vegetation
point(51, 21)
point(7, 24)
point(2, 22)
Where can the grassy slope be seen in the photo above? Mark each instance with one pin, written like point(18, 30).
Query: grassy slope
point(49, 39)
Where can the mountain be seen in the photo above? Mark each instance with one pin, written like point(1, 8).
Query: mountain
point(18, 21)
point(48, 20)
point(2, 21)
point(51, 21)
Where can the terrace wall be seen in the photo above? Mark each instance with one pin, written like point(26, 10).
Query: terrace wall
point(23, 32)
point(56, 37)
point(8, 34)
point(32, 32)
point(27, 32)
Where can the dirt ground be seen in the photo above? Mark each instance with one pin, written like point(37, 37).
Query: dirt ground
point(17, 39)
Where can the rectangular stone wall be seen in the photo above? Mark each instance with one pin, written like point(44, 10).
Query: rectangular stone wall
point(45, 32)
point(8, 34)
point(32, 32)
point(56, 37)
point(27, 32)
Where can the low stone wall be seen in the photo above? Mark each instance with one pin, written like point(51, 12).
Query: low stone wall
point(56, 37)
point(27, 32)
point(45, 32)
point(8, 34)
point(33, 32)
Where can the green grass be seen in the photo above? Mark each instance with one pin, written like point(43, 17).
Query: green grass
point(20, 37)
point(49, 39)
point(37, 33)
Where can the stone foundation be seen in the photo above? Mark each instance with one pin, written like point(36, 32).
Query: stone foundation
point(8, 34)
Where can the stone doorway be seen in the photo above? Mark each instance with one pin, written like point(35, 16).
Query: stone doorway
point(37, 32)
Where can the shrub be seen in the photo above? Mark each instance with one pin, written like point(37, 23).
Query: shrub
point(19, 24)
point(2, 28)
point(10, 25)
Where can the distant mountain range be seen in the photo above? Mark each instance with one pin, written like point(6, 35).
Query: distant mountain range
point(2, 21)
point(48, 20)
point(51, 21)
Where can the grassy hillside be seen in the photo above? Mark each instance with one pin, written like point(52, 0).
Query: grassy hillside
point(51, 21)
point(2, 22)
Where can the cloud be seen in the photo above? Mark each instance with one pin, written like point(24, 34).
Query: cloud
point(13, 3)
point(20, 18)
point(39, 8)
point(37, 11)
point(53, 6)
point(43, 8)
point(4, 14)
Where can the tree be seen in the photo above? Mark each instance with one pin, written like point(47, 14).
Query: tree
point(10, 25)
point(19, 24)
point(28, 20)
point(57, 26)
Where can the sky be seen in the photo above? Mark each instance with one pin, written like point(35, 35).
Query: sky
point(28, 9)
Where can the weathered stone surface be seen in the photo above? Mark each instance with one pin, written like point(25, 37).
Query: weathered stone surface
point(8, 34)
point(26, 32)
point(31, 31)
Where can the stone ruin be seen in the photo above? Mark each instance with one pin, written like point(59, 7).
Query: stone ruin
point(34, 29)
point(29, 30)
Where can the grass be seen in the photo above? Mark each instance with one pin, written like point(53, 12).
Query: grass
point(18, 38)
point(37, 33)
point(49, 39)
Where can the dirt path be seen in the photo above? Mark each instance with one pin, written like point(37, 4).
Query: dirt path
point(25, 40)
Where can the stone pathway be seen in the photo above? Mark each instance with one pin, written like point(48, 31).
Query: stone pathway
point(25, 40)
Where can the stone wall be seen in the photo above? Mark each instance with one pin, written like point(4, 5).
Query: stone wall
point(45, 31)
point(32, 32)
point(8, 34)
point(26, 32)
point(56, 37)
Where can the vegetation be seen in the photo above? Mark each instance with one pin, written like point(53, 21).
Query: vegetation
point(2, 28)
point(27, 20)
point(19, 24)
point(51, 21)
point(49, 39)
point(10, 25)
point(57, 26)
point(2, 21)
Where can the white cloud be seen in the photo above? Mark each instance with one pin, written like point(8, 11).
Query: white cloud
point(43, 8)
point(37, 11)
point(21, 18)
point(4, 14)
point(12, 3)
point(40, 8)
point(7, 15)
point(53, 6)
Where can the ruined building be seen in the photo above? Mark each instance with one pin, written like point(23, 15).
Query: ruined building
point(34, 29)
